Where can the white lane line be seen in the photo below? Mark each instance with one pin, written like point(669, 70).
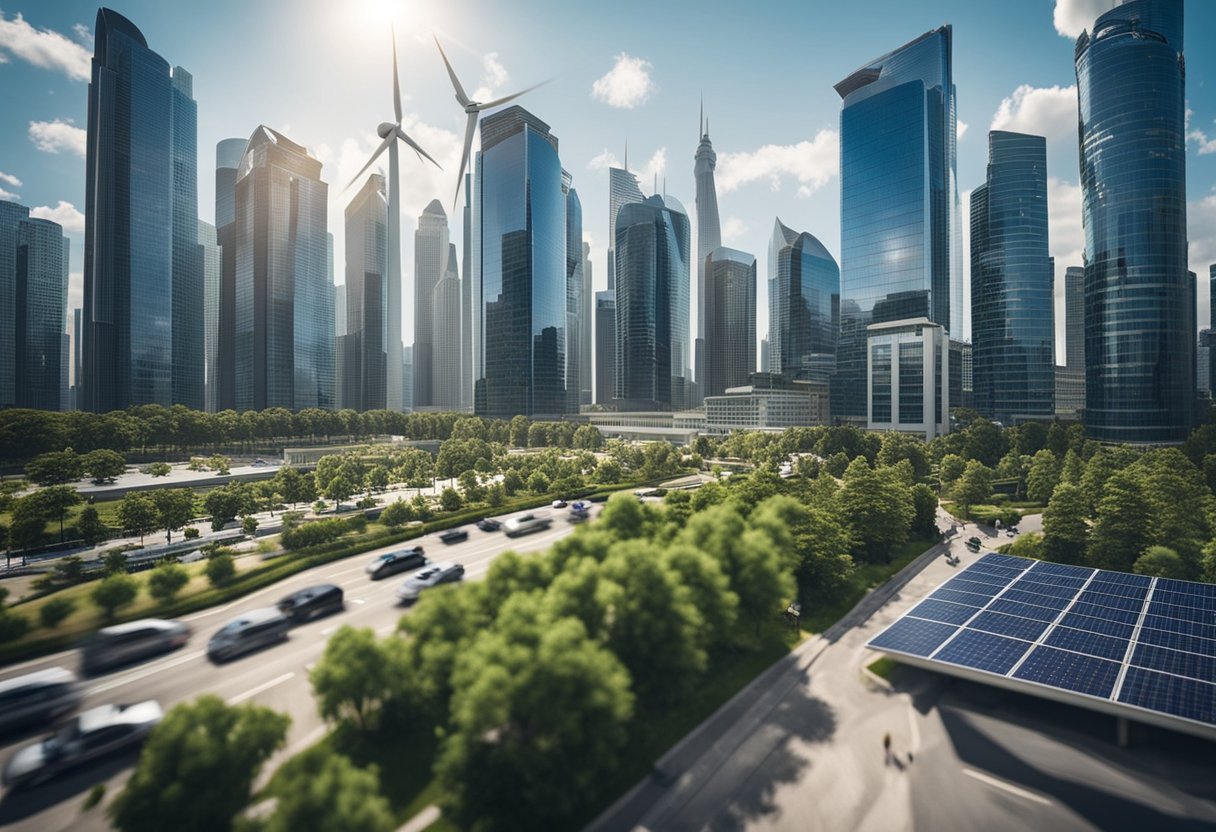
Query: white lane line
point(307, 740)
point(252, 692)
point(1009, 787)
point(329, 630)
point(143, 673)
point(383, 631)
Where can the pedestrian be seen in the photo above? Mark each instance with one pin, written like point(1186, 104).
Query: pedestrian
point(886, 747)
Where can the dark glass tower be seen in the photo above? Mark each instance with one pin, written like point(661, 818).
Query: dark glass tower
point(574, 295)
point(899, 221)
point(730, 319)
point(431, 241)
point(189, 350)
point(520, 259)
point(1012, 306)
point(1139, 344)
point(366, 332)
point(228, 153)
point(804, 306)
point(605, 347)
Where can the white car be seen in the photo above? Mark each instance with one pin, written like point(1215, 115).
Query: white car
point(89, 736)
point(427, 577)
point(526, 524)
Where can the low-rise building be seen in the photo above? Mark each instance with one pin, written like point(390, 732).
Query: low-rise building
point(908, 377)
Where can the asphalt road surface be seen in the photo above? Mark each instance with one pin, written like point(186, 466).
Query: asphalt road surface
point(276, 677)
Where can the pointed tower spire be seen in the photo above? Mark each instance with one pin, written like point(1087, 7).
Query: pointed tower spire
point(701, 121)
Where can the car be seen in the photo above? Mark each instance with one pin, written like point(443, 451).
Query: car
point(391, 563)
point(312, 602)
point(559, 503)
point(248, 632)
point(1011, 533)
point(580, 510)
point(129, 642)
point(38, 698)
point(454, 535)
point(258, 463)
point(974, 541)
point(433, 575)
point(93, 734)
point(526, 524)
point(489, 524)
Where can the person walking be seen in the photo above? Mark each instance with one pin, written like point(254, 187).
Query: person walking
point(886, 748)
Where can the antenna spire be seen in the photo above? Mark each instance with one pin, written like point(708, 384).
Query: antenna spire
point(701, 121)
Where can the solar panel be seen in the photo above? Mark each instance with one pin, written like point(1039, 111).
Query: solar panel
point(1140, 644)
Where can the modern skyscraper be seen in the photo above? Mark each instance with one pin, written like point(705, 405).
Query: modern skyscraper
point(586, 326)
point(520, 258)
point(284, 295)
point(76, 358)
point(730, 320)
point(11, 217)
point(340, 310)
point(366, 330)
point(1139, 344)
point(804, 305)
point(467, 335)
point(212, 255)
point(652, 248)
point(407, 378)
point(445, 326)
point(622, 188)
point(430, 263)
point(574, 294)
point(765, 355)
point(1012, 303)
point(709, 237)
point(605, 347)
point(228, 155)
point(142, 266)
point(1070, 379)
point(899, 203)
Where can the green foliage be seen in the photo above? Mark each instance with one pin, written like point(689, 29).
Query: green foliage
point(96, 795)
point(396, 514)
point(138, 513)
point(357, 675)
point(1043, 477)
point(55, 610)
point(902, 446)
point(985, 442)
point(226, 503)
point(1028, 545)
point(317, 532)
point(608, 472)
point(198, 767)
point(924, 513)
point(54, 468)
point(496, 495)
point(103, 465)
point(174, 509)
point(159, 469)
point(1065, 530)
point(1121, 532)
point(588, 437)
point(50, 503)
point(625, 517)
point(322, 790)
point(450, 499)
point(114, 562)
point(13, 626)
point(538, 483)
point(113, 593)
point(294, 486)
point(220, 569)
point(1160, 562)
point(950, 469)
point(820, 546)
point(249, 525)
point(473, 490)
point(974, 486)
point(512, 482)
point(191, 533)
point(166, 580)
point(421, 508)
point(877, 507)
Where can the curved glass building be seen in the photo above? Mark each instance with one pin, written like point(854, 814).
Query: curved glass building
point(804, 306)
point(730, 319)
point(520, 254)
point(1012, 306)
point(575, 281)
point(1139, 347)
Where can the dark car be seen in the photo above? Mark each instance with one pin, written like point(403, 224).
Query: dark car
point(454, 535)
point(42, 696)
point(974, 544)
point(391, 563)
point(489, 524)
point(313, 602)
point(252, 631)
point(130, 642)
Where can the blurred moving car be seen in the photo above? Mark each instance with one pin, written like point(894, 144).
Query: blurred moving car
point(454, 535)
point(89, 736)
point(432, 575)
point(526, 524)
point(559, 503)
point(489, 524)
point(251, 631)
point(38, 698)
point(312, 602)
point(974, 544)
point(580, 510)
point(132, 641)
point(391, 563)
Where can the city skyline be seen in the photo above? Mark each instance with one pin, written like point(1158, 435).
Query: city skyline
point(795, 151)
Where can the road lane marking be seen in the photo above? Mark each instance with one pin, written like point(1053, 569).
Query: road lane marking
point(1009, 787)
point(252, 692)
point(329, 630)
point(142, 673)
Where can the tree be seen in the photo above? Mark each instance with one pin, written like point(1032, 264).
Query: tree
point(54, 468)
point(924, 512)
point(1160, 562)
point(974, 486)
point(198, 767)
point(294, 486)
point(138, 513)
point(160, 469)
point(396, 514)
point(174, 508)
point(512, 482)
point(220, 569)
point(114, 562)
point(950, 469)
point(1072, 469)
point(473, 490)
point(357, 675)
point(55, 610)
point(984, 441)
point(338, 489)
point(319, 789)
point(225, 503)
point(450, 500)
point(588, 437)
point(219, 464)
point(113, 593)
point(103, 465)
point(249, 525)
point(900, 446)
point(1043, 477)
point(90, 528)
point(538, 483)
point(1065, 530)
point(877, 507)
point(820, 545)
point(608, 472)
point(496, 495)
point(53, 503)
point(421, 508)
point(166, 580)
point(1121, 531)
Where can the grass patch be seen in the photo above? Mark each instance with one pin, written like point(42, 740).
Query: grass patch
point(883, 668)
point(864, 578)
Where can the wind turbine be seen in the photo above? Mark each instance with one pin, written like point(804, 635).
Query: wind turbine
point(473, 109)
point(391, 132)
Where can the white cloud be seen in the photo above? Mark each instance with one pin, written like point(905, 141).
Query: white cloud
point(9, 179)
point(1201, 234)
point(960, 129)
point(75, 293)
point(1042, 111)
point(83, 34)
point(494, 77)
point(603, 161)
point(653, 171)
point(627, 85)
point(732, 229)
point(1199, 137)
point(43, 48)
point(812, 163)
point(9, 195)
point(64, 213)
point(1067, 237)
point(1072, 17)
point(57, 135)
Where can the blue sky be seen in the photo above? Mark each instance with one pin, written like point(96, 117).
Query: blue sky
point(319, 71)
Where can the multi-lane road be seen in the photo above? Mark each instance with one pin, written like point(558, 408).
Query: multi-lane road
point(276, 677)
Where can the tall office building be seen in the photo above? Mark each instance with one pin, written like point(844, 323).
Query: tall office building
point(284, 295)
point(142, 266)
point(445, 326)
point(340, 310)
point(622, 188)
point(365, 338)
point(804, 305)
point(1012, 302)
point(1070, 378)
point(574, 295)
point(652, 248)
point(899, 203)
point(520, 258)
point(11, 217)
point(605, 347)
point(1139, 344)
point(208, 243)
point(467, 335)
point(587, 340)
point(765, 355)
point(228, 155)
point(430, 263)
point(729, 337)
point(76, 358)
point(709, 237)
point(407, 378)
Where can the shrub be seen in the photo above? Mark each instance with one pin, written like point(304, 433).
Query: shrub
point(319, 531)
point(249, 525)
point(191, 533)
point(95, 796)
point(166, 581)
point(221, 569)
point(159, 469)
point(396, 514)
point(115, 591)
point(54, 611)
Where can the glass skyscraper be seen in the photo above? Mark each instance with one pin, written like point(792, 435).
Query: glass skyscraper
point(1070, 379)
point(1139, 344)
point(730, 320)
point(709, 237)
point(520, 259)
point(212, 290)
point(622, 188)
point(804, 306)
point(445, 324)
point(141, 213)
point(365, 362)
point(574, 295)
point(284, 294)
point(431, 240)
point(586, 319)
point(605, 346)
point(1012, 304)
point(899, 203)
point(228, 154)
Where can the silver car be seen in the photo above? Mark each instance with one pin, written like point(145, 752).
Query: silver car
point(427, 577)
point(251, 631)
point(131, 642)
point(37, 698)
point(89, 736)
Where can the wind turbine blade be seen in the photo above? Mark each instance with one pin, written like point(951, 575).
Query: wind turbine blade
point(470, 127)
point(401, 134)
point(460, 94)
point(499, 102)
point(396, 82)
point(383, 147)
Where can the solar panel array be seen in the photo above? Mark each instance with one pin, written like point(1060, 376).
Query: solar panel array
point(1147, 643)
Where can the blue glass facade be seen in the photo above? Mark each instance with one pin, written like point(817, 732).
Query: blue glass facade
point(729, 308)
point(11, 217)
point(41, 311)
point(804, 305)
point(1012, 306)
point(365, 330)
point(189, 352)
point(1139, 343)
point(520, 250)
point(574, 297)
point(899, 203)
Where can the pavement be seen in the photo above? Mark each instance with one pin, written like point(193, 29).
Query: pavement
point(276, 677)
point(801, 748)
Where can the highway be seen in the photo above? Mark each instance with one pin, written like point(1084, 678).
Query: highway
point(276, 677)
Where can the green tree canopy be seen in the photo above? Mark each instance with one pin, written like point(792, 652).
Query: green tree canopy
point(1043, 477)
point(1121, 532)
point(174, 509)
point(974, 486)
point(1160, 562)
point(878, 508)
point(321, 790)
point(103, 465)
point(114, 592)
point(54, 468)
point(357, 674)
point(1065, 530)
point(137, 513)
point(90, 528)
point(166, 580)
